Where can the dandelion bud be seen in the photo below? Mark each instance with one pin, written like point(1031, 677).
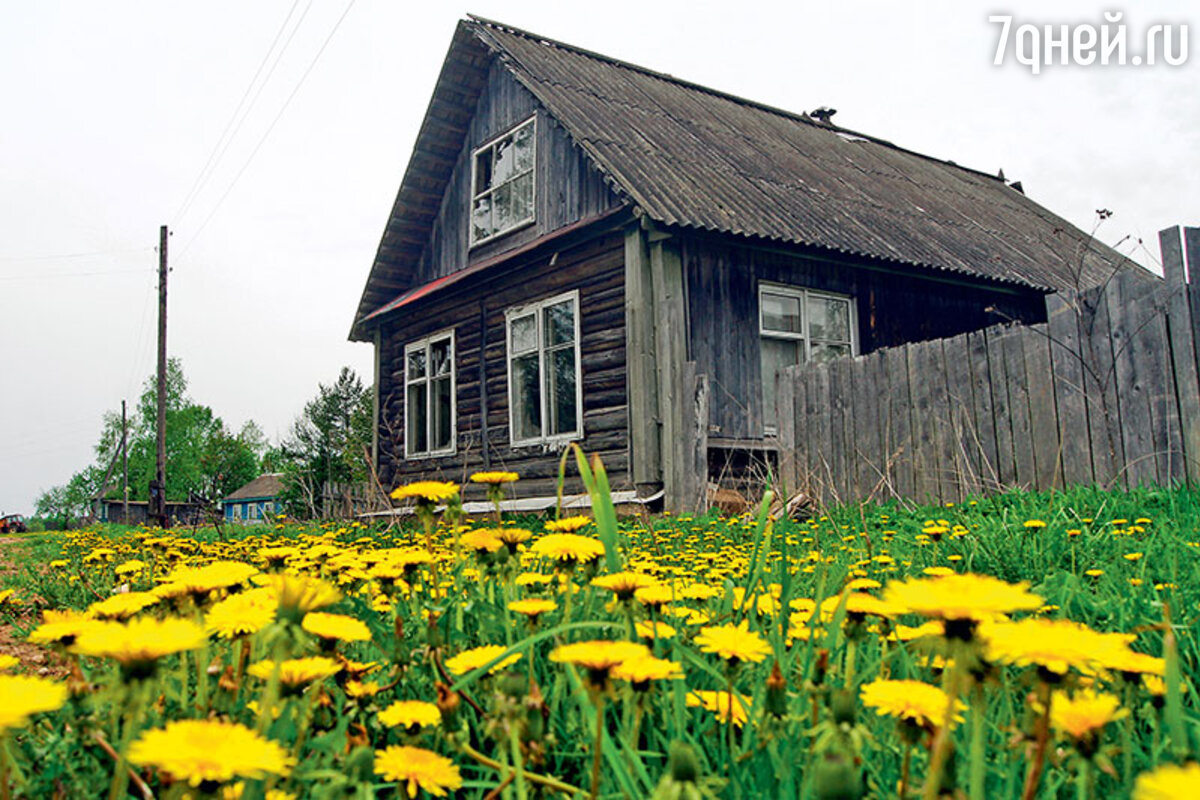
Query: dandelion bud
point(776, 701)
point(836, 776)
point(447, 703)
point(682, 763)
point(844, 706)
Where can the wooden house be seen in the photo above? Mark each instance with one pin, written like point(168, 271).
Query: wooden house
point(257, 502)
point(584, 250)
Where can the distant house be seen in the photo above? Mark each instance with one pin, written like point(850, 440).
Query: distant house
point(584, 250)
point(256, 502)
point(178, 513)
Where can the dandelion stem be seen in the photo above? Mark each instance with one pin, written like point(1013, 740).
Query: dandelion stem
point(978, 775)
point(905, 766)
point(599, 744)
point(1041, 739)
point(941, 741)
point(532, 777)
point(518, 762)
point(4, 790)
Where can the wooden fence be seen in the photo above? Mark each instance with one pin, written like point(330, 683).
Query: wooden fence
point(1105, 392)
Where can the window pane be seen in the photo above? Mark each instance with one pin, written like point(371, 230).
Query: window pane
point(483, 171)
point(828, 318)
point(506, 161)
point(776, 354)
point(481, 218)
point(560, 323)
point(560, 390)
point(523, 333)
point(416, 364)
point(441, 414)
point(781, 312)
point(526, 399)
point(823, 351)
point(523, 145)
point(417, 411)
point(522, 198)
point(502, 204)
point(439, 357)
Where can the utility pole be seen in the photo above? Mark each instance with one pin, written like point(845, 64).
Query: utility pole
point(124, 466)
point(158, 487)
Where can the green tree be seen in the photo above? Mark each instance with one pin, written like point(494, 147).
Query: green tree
point(328, 442)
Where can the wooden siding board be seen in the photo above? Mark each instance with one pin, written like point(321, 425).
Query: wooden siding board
point(1069, 391)
point(998, 370)
point(1043, 421)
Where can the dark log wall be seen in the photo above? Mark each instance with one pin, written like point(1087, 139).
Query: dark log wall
point(568, 188)
point(476, 312)
point(893, 308)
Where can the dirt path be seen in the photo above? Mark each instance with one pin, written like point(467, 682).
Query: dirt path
point(34, 659)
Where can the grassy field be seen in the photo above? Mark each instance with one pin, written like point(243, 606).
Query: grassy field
point(665, 657)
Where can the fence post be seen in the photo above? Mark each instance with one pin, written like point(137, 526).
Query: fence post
point(1181, 330)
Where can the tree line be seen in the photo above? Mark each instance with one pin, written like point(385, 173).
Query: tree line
point(207, 460)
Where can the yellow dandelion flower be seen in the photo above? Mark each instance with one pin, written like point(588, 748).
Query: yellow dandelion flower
point(241, 614)
point(641, 671)
point(1054, 645)
point(22, 696)
point(734, 643)
point(483, 540)
point(296, 672)
point(418, 768)
point(411, 714)
point(137, 644)
point(123, 605)
point(476, 657)
point(655, 595)
point(1168, 782)
point(130, 567)
point(494, 478)
point(209, 751)
point(598, 656)
point(532, 607)
point(1034, 524)
point(568, 547)
point(918, 702)
point(513, 536)
point(568, 524)
point(723, 704)
point(335, 627)
point(298, 594)
point(427, 491)
point(654, 630)
point(1083, 715)
point(8, 662)
point(623, 584)
point(961, 598)
point(61, 627)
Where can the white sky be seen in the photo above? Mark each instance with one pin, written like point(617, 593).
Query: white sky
point(111, 111)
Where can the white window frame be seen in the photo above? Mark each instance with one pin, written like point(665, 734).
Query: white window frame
point(536, 309)
point(802, 293)
point(532, 121)
point(425, 343)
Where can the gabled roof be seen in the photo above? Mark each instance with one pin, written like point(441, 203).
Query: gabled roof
point(264, 486)
point(693, 157)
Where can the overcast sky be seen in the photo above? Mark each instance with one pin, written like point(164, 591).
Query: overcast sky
point(113, 110)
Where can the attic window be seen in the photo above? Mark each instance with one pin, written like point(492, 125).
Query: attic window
point(502, 183)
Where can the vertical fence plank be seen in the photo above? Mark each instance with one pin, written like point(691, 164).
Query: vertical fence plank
point(961, 420)
point(1043, 418)
point(839, 392)
point(1127, 323)
point(800, 442)
point(984, 417)
point(1067, 364)
point(1006, 465)
point(1104, 413)
point(863, 416)
point(923, 369)
point(819, 423)
point(900, 447)
point(1181, 336)
point(785, 405)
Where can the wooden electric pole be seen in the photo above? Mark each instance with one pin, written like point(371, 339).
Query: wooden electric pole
point(124, 466)
point(158, 487)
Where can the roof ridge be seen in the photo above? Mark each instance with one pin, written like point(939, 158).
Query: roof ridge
point(745, 101)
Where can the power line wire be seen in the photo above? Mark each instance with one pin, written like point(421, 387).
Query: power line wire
point(63, 256)
point(46, 275)
point(270, 128)
point(222, 144)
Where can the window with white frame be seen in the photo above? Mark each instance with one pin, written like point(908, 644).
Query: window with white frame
point(502, 188)
point(796, 326)
point(429, 411)
point(544, 382)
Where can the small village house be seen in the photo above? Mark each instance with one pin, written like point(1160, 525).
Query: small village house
point(584, 250)
point(256, 502)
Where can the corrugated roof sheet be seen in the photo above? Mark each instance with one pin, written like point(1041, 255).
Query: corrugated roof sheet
point(695, 157)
